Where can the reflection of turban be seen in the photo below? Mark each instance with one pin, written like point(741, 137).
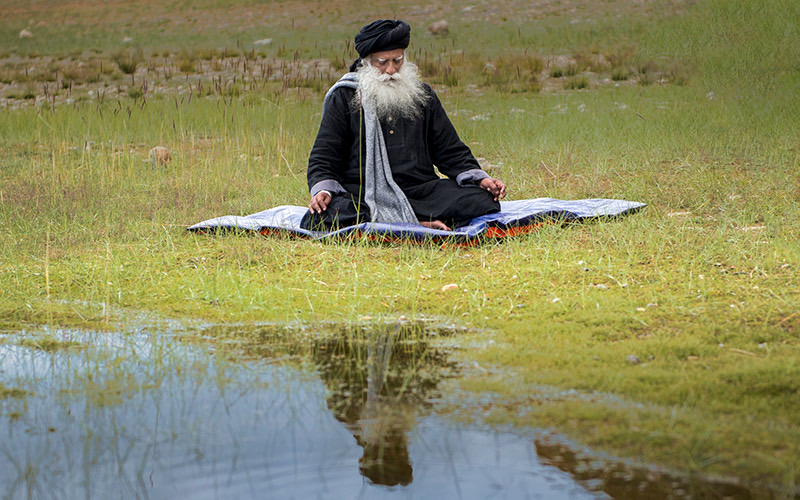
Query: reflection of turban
point(381, 35)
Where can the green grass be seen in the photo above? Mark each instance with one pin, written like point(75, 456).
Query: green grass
point(701, 285)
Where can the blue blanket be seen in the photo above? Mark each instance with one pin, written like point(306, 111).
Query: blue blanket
point(515, 217)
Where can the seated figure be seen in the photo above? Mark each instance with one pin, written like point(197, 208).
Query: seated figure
point(381, 134)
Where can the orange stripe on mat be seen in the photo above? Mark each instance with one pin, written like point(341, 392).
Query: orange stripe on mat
point(499, 232)
point(491, 232)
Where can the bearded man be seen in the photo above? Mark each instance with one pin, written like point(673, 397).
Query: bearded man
point(382, 132)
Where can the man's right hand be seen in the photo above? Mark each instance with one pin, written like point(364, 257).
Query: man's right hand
point(319, 202)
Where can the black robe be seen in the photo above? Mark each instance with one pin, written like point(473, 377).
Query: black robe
point(413, 146)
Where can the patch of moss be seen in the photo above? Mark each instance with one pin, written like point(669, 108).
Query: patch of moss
point(64, 315)
point(48, 344)
point(12, 392)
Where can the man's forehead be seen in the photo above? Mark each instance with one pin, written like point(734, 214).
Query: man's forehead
point(388, 54)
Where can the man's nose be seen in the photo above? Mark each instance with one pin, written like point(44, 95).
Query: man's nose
point(391, 68)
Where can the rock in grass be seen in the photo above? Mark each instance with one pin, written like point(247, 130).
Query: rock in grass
point(263, 41)
point(486, 165)
point(633, 359)
point(25, 34)
point(449, 287)
point(439, 28)
point(159, 155)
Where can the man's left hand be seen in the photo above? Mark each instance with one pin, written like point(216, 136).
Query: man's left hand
point(494, 186)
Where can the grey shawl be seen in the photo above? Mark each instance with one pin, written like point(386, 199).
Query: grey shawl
point(383, 196)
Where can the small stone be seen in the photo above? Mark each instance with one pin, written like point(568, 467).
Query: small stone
point(486, 165)
point(633, 359)
point(449, 287)
point(263, 41)
point(641, 309)
point(762, 345)
point(127, 39)
point(692, 358)
point(556, 299)
point(25, 34)
point(439, 28)
point(160, 155)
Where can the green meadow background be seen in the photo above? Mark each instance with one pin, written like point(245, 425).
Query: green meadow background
point(678, 327)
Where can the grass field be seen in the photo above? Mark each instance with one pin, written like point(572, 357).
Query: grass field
point(691, 107)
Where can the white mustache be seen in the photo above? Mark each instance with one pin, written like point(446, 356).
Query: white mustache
point(385, 77)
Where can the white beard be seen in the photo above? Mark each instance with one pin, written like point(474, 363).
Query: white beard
point(400, 95)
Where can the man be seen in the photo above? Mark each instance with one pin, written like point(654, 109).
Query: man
point(382, 132)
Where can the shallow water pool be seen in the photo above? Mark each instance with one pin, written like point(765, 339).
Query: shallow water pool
point(260, 412)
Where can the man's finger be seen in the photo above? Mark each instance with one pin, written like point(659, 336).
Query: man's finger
point(319, 203)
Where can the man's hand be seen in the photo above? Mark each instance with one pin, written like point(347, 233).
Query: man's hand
point(319, 202)
point(494, 186)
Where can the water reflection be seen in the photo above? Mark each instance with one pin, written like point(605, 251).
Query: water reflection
point(380, 380)
point(377, 386)
point(261, 412)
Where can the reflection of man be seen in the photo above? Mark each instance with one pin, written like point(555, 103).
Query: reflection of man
point(369, 398)
point(384, 424)
point(382, 132)
point(379, 384)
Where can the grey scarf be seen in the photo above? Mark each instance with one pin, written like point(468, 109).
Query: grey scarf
point(385, 199)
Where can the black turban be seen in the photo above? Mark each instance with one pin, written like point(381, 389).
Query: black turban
point(381, 35)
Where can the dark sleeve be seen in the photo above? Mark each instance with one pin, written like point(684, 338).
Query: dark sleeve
point(450, 155)
point(330, 152)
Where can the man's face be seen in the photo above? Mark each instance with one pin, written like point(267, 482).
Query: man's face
point(388, 62)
